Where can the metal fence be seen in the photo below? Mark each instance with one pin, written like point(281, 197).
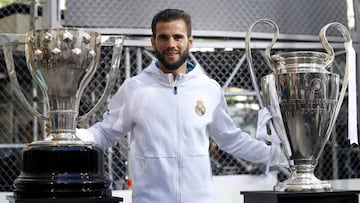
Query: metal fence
point(221, 56)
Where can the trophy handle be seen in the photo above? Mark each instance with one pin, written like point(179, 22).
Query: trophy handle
point(270, 125)
point(268, 59)
point(7, 42)
point(346, 34)
point(117, 43)
point(324, 42)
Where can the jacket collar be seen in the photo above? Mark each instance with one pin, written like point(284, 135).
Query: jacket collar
point(189, 65)
point(168, 79)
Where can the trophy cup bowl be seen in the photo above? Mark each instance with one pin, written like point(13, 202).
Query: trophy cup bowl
point(62, 61)
point(307, 96)
point(304, 100)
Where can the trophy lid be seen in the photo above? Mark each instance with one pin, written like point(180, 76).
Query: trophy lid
point(300, 61)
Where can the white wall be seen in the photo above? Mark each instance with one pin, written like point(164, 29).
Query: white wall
point(227, 187)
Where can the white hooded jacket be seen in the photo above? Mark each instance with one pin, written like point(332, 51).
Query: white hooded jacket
point(170, 121)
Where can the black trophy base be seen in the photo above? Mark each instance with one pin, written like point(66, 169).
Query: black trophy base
point(301, 197)
point(62, 170)
point(65, 200)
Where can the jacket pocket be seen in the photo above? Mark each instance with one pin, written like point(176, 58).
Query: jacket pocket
point(154, 179)
point(197, 180)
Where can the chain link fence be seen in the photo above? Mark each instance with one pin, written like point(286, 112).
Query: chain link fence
point(226, 65)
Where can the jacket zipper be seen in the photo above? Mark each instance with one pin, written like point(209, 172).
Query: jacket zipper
point(178, 120)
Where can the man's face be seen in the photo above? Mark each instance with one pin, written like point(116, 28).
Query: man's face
point(171, 44)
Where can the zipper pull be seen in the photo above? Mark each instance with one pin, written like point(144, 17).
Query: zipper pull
point(175, 90)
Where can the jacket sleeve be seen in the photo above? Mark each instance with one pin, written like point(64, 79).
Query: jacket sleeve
point(115, 124)
point(233, 140)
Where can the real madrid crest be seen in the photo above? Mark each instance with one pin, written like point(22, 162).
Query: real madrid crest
point(200, 108)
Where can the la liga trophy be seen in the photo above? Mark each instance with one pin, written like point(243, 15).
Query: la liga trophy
point(304, 99)
point(62, 61)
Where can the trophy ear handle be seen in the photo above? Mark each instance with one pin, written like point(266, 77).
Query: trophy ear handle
point(325, 43)
point(6, 42)
point(117, 43)
point(350, 66)
point(275, 30)
point(268, 59)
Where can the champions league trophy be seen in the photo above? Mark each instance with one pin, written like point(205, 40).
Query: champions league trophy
point(62, 61)
point(302, 96)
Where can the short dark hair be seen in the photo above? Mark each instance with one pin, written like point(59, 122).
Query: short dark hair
point(169, 15)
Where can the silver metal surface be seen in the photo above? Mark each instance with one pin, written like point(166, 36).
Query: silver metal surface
point(307, 102)
point(62, 61)
point(307, 96)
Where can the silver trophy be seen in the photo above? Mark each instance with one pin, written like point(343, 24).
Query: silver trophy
point(303, 97)
point(62, 61)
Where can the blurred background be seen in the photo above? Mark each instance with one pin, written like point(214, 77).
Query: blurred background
point(219, 29)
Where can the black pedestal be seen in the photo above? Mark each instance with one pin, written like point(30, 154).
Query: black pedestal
point(301, 197)
point(65, 200)
point(62, 170)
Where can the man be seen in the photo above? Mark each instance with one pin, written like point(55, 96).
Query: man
point(171, 109)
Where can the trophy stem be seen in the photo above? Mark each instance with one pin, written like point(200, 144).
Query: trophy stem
point(63, 119)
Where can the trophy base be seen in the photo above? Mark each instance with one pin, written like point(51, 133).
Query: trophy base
point(303, 183)
point(337, 196)
point(62, 171)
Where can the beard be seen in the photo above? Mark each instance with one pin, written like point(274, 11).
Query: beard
point(174, 65)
